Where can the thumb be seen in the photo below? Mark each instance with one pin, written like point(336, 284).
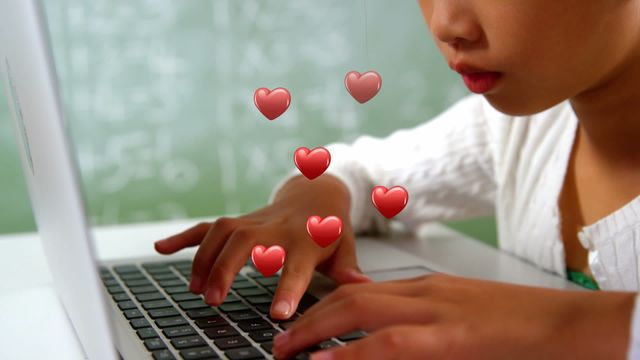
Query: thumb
point(343, 268)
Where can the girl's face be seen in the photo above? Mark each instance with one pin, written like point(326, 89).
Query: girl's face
point(525, 56)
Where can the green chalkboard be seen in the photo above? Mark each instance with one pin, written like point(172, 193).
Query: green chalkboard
point(159, 95)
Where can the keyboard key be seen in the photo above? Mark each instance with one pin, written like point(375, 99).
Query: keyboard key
point(352, 336)
point(220, 332)
point(272, 288)
point(230, 299)
point(290, 319)
point(185, 297)
point(137, 282)
point(286, 325)
point(162, 355)
point(267, 346)
point(200, 313)
point(168, 283)
point(260, 299)
point(211, 321)
point(164, 312)
point(171, 321)
point(193, 304)
point(185, 272)
point(154, 344)
point(255, 275)
point(264, 308)
point(156, 304)
point(164, 276)
point(160, 270)
point(243, 315)
point(132, 314)
point(256, 324)
point(306, 302)
point(115, 289)
point(252, 291)
point(132, 276)
point(302, 356)
point(150, 296)
point(188, 341)
point(273, 280)
point(139, 323)
point(121, 297)
point(126, 305)
point(233, 307)
point(147, 333)
point(325, 345)
point(231, 342)
point(126, 269)
point(176, 289)
point(111, 282)
point(143, 289)
point(263, 335)
point(177, 331)
point(198, 353)
point(241, 285)
point(247, 353)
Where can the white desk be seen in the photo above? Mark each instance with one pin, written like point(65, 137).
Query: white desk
point(33, 322)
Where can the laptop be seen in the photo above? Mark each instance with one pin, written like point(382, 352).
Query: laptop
point(141, 308)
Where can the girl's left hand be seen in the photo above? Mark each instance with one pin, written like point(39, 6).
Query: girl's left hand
point(448, 317)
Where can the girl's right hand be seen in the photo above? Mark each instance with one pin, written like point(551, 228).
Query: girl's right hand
point(226, 244)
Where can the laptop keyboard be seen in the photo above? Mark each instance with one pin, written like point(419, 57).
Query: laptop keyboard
point(174, 323)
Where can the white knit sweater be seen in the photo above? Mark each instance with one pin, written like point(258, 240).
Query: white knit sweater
point(473, 161)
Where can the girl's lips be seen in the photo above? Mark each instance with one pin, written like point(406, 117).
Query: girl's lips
point(481, 82)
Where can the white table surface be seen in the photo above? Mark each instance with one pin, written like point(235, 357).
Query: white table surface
point(33, 321)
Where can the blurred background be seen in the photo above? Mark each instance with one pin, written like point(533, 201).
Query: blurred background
point(159, 98)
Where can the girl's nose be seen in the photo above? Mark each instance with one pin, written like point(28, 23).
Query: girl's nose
point(454, 23)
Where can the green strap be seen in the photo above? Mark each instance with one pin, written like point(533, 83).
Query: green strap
point(581, 279)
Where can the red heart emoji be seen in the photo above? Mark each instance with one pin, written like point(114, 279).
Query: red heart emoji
point(389, 202)
point(363, 87)
point(324, 231)
point(312, 163)
point(272, 103)
point(268, 261)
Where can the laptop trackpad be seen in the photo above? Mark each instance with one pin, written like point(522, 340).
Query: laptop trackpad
point(400, 273)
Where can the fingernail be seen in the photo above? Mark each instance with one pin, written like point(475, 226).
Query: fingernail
point(212, 295)
point(282, 307)
point(195, 285)
point(322, 355)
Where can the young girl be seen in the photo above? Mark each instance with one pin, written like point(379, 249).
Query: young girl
point(550, 146)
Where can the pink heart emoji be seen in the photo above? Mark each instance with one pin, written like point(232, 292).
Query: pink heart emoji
point(268, 261)
point(389, 202)
point(272, 103)
point(312, 163)
point(324, 231)
point(363, 87)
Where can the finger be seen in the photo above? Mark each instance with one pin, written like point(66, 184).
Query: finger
point(343, 267)
point(208, 251)
point(231, 259)
point(294, 281)
point(190, 237)
point(355, 313)
point(402, 287)
point(397, 342)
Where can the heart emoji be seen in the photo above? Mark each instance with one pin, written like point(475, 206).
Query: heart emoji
point(324, 231)
point(389, 202)
point(268, 261)
point(312, 163)
point(272, 103)
point(363, 87)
